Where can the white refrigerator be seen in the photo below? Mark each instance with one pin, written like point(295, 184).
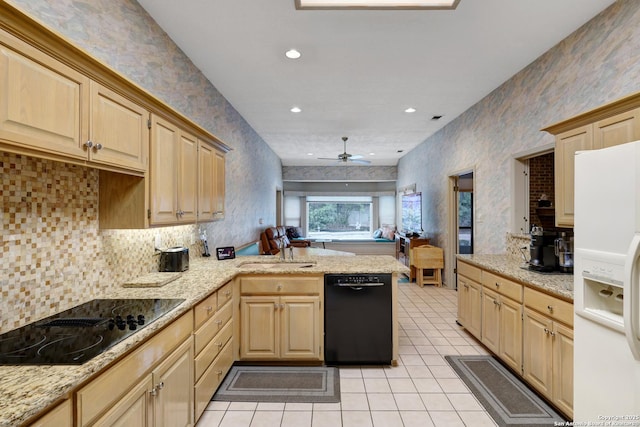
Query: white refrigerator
point(607, 286)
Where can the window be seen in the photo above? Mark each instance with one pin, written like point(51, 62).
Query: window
point(339, 217)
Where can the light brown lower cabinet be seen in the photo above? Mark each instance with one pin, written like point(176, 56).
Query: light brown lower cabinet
point(213, 345)
point(470, 305)
point(60, 416)
point(528, 330)
point(280, 318)
point(502, 328)
point(548, 359)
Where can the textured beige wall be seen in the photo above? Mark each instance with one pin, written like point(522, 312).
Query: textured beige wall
point(595, 65)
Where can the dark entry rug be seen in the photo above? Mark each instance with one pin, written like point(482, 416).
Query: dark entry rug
point(505, 397)
point(304, 384)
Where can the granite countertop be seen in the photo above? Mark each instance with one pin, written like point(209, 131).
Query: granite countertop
point(560, 285)
point(27, 390)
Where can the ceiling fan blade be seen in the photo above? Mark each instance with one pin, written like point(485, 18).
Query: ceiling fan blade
point(356, 156)
point(360, 162)
point(328, 158)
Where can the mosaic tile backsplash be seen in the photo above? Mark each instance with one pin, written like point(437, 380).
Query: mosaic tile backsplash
point(53, 254)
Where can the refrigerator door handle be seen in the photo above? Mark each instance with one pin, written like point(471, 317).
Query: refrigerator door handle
point(631, 294)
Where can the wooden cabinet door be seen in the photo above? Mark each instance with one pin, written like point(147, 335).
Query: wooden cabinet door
point(60, 416)
point(563, 368)
point(300, 327)
point(491, 320)
point(220, 185)
point(173, 384)
point(133, 410)
point(187, 178)
point(206, 184)
point(119, 133)
point(259, 326)
point(470, 305)
point(511, 333)
point(44, 105)
point(163, 172)
point(567, 144)
point(616, 130)
point(537, 351)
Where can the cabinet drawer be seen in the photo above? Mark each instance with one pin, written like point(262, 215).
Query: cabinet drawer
point(211, 350)
point(100, 393)
point(280, 285)
point(212, 327)
point(211, 379)
point(61, 415)
point(549, 306)
point(205, 309)
point(225, 294)
point(502, 286)
point(469, 271)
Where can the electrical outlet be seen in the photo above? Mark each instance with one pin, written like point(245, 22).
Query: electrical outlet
point(157, 242)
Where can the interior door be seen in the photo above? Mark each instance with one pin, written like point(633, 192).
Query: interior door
point(465, 213)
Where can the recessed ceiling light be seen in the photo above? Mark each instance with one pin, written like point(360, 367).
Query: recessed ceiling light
point(295, 110)
point(309, 154)
point(410, 110)
point(292, 54)
point(372, 154)
point(377, 4)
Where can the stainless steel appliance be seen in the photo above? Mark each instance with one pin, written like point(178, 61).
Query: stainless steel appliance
point(174, 259)
point(564, 252)
point(74, 336)
point(357, 318)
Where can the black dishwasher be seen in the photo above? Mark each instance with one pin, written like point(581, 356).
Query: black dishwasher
point(357, 319)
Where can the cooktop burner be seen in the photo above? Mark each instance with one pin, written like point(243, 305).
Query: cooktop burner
point(74, 336)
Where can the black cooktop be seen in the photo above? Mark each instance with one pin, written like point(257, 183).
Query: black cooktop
point(74, 336)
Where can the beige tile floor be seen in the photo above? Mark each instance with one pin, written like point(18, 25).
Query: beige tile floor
point(422, 391)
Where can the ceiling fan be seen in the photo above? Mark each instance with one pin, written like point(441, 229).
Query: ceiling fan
point(346, 157)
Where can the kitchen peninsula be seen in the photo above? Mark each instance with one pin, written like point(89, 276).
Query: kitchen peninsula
point(26, 392)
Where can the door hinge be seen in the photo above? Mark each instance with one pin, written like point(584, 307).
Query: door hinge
point(456, 188)
point(148, 213)
point(455, 270)
point(149, 123)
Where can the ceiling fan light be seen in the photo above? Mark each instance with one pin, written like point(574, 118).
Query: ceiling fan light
point(295, 110)
point(410, 110)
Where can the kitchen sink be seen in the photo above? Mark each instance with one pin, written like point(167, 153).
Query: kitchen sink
point(282, 264)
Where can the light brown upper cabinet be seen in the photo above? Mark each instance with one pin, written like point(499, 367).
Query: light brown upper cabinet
point(211, 187)
point(173, 174)
point(606, 126)
point(58, 103)
point(118, 131)
point(44, 103)
point(53, 111)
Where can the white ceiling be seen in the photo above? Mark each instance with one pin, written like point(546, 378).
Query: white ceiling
point(360, 69)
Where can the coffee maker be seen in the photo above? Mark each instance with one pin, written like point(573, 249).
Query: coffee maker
point(564, 252)
point(542, 250)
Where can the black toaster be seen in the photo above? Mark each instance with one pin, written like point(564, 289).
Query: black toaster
point(174, 259)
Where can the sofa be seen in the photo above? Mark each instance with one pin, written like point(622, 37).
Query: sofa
point(273, 238)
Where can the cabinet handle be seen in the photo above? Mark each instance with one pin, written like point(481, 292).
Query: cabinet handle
point(219, 373)
point(98, 146)
point(550, 308)
point(161, 385)
point(497, 285)
point(209, 309)
point(227, 293)
point(496, 303)
point(553, 334)
point(88, 144)
point(154, 391)
point(279, 287)
point(219, 345)
point(218, 322)
point(466, 286)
